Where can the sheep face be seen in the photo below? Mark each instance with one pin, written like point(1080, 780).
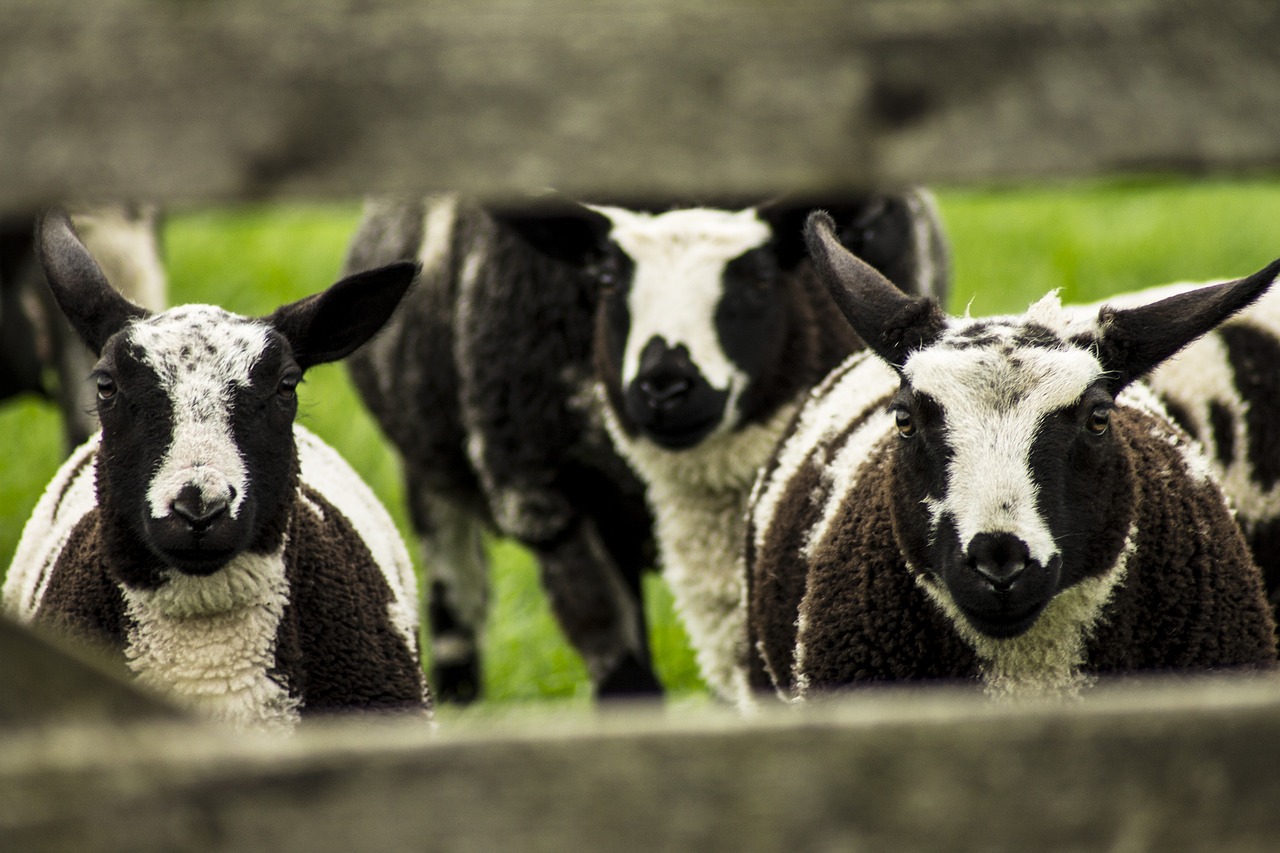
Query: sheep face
point(197, 461)
point(695, 331)
point(1012, 483)
point(197, 409)
point(693, 309)
point(1008, 475)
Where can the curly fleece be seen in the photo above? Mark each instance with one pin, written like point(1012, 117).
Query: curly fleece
point(1179, 592)
point(316, 626)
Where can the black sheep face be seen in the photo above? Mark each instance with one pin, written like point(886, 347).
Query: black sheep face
point(197, 460)
point(693, 310)
point(698, 305)
point(197, 454)
point(1011, 482)
point(1011, 485)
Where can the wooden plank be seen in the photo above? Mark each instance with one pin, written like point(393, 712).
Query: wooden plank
point(212, 102)
point(1169, 767)
point(45, 681)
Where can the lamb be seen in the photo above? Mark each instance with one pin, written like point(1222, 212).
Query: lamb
point(711, 330)
point(39, 352)
point(229, 557)
point(479, 382)
point(501, 330)
point(1225, 391)
point(998, 500)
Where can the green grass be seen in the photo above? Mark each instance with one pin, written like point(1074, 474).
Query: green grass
point(1010, 246)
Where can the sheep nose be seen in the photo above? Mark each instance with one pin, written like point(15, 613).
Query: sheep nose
point(664, 391)
point(999, 558)
point(198, 510)
point(666, 375)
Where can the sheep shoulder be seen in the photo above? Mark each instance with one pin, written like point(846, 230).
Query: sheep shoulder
point(1192, 595)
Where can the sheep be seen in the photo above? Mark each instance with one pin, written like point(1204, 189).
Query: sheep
point(998, 500)
point(39, 352)
point(502, 330)
point(479, 383)
point(1225, 391)
point(711, 329)
point(230, 558)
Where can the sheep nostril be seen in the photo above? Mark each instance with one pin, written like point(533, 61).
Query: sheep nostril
point(664, 392)
point(999, 559)
point(196, 510)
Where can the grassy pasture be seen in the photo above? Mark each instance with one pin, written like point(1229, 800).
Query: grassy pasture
point(1010, 246)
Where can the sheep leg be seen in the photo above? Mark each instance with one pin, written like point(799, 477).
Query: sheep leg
point(457, 593)
point(598, 610)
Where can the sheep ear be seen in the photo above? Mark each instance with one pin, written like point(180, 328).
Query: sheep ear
point(95, 308)
point(333, 324)
point(558, 227)
point(891, 323)
point(1136, 340)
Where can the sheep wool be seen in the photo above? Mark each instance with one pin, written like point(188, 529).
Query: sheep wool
point(241, 644)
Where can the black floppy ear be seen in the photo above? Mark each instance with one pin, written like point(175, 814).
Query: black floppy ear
point(891, 323)
point(334, 323)
point(95, 309)
point(558, 227)
point(1135, 340)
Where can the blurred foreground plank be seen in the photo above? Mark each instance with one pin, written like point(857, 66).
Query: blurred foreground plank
point(44, 682)
point(197, 102)
point(1162, 766)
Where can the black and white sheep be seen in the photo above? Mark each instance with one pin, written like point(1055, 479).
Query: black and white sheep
point(39, 351)
point(712, 328)
point(999, 500)
point(1225, 391)
point(485, 383)
point(482, 382)
point(231, 558)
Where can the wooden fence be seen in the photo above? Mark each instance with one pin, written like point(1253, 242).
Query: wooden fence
point(194, 102)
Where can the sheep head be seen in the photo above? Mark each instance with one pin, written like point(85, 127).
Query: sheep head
point(197, 461)
point(1013, 478)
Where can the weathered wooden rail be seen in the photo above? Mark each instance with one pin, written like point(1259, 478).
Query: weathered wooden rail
point(198, 101)
point(1158, 766)
point(194, 103)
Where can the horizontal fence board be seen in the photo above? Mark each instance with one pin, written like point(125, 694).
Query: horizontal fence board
point(1166, 767)
point(197, 102)
point(46, 681)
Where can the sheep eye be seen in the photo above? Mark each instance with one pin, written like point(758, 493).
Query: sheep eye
point(288, 388)
point(1099, 419)
point(106, 387)
point(903, 421)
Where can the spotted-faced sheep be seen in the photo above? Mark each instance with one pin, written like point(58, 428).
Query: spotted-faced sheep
point(231, 558)
point(712, 328)
point(39, 352)
point(999, 500)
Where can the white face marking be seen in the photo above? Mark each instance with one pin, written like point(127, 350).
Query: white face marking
point(679, 259)
point(201, 354)
point(994, 405)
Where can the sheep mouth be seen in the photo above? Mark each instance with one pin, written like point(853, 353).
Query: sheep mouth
point(200, 562)
point(1004, 622)
point(680, 436)
point(676, 422)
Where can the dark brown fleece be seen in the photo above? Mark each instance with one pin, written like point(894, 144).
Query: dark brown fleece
point(336, 647)
point(1191, 600)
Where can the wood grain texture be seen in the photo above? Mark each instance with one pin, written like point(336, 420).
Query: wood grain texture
point(1169, 767)
point(44, 681)
point(193, 102)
